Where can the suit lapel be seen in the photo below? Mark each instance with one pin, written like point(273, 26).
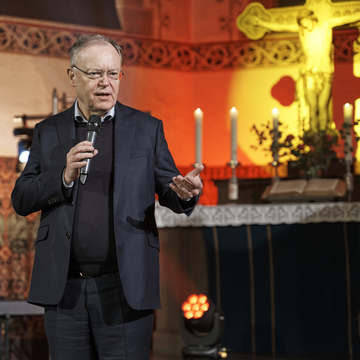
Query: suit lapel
point(125, 127)
point(66, 131)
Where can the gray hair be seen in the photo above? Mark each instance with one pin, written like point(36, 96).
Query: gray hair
point(91, 39)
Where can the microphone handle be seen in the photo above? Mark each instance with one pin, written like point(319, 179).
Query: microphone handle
point(84, 171)
point(91, 136)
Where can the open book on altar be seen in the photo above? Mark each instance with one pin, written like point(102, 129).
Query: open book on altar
point(303, 190)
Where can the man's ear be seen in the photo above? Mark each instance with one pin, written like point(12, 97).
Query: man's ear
point(71, 76)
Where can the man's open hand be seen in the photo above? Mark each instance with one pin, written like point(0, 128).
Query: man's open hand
point(188, 186)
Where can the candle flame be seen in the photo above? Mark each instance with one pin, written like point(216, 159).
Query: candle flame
point(233, 109)
point(198, 110)
point(275, 110)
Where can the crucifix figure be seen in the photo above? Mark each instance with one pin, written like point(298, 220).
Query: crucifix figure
point(314, 23)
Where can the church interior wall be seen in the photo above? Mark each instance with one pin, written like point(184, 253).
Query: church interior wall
point(170, 93)
point(27, 84)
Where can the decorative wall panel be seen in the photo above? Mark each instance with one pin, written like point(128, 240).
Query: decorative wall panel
point(50, 40)
point(17, 239)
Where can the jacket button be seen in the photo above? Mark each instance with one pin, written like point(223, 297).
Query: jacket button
point(68, 235)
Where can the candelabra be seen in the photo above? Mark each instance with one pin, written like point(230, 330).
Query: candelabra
point(349, 179)
point(275, 164)
point(233, 189)
point(348, 126)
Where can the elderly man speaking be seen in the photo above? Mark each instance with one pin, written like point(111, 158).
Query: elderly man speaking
point(97, 249)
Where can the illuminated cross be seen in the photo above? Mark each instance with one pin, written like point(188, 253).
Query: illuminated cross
point(314, 22)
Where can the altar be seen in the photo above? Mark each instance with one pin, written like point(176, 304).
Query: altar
point(262, 214)
point(286, 276)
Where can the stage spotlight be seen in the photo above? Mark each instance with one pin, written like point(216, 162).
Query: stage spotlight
point(26, 135)
point(202, 328)
point(24, 150)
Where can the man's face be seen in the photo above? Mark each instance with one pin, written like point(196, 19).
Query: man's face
point(96, 96)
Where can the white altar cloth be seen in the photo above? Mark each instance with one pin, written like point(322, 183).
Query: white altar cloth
point(236, 215)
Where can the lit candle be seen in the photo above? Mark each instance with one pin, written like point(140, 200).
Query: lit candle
point(275, 117)
point(198, 128)
point(234, 117)
point(348, 113)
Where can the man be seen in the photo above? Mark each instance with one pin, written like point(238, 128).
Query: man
point(96, 262)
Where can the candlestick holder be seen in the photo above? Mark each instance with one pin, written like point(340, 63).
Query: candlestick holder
point(233, 189)
point(349, 179)
point(275, 164)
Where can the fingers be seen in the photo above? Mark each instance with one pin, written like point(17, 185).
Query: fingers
point(79, 153)
point(82, 150)
point(183, 183)
point(188, 186)
point(182, 193)
point(196, 171)
point(75, 159)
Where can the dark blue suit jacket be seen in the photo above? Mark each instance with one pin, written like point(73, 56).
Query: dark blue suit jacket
point(143, 167)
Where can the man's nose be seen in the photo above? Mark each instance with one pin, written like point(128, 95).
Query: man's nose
point(104, 80)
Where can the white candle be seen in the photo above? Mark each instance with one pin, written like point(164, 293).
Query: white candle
point(198, 128)
point(234, 118)
point(348, 113)
point(275, 117)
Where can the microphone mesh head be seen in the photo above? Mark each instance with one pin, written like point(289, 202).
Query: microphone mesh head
point(94, 123)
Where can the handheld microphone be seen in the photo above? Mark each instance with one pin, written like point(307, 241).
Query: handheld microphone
point(92, 132)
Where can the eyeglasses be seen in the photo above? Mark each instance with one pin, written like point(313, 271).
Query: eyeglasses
point(98, 74)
